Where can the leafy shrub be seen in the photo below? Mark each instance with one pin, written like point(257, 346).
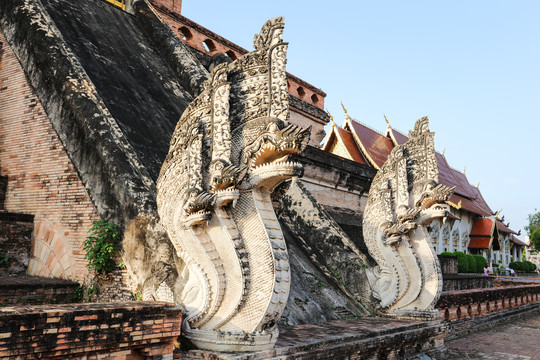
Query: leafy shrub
point(481, 263)
point(101, 246)
point(528, 266)
point(447, 253)
point(516, 265)
point(471, 263)
point(522, 266)
point(461, 261)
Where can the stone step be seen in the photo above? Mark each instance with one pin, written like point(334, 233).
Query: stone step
point(34, 290)
point(364, 338)
point(15, 242)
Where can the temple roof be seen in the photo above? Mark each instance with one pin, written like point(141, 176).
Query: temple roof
point(397, 137)
point(346, 139)
point(516, 241)
point(376, 147)
point(479, 243)
point(483, 233)
point(482, 227)
point(503, 228)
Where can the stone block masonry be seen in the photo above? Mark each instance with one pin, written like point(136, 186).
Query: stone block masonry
point(128, 330)
point(42, 180)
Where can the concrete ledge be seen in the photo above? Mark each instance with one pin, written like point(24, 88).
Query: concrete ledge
point(366, 338)
point(135, 330)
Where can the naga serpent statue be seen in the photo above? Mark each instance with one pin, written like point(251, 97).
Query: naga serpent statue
point(228, 152)
point(405, 196)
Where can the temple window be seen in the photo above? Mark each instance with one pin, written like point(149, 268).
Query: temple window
point(231, 54)
point(185, 33)
point(446, 235)
point(314, 98)
point(455, 238)
point(300, 91)
point(209, 45)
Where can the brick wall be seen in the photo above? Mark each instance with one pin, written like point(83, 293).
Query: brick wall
point(174, 6)
point(210, 43)
point(42, 180)
point(456, 305)
point(130, 330)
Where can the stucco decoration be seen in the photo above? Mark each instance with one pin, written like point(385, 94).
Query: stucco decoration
point(404, 198)
point(228, 152)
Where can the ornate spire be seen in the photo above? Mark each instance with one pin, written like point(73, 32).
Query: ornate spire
point(331, 118)
point(345, 110)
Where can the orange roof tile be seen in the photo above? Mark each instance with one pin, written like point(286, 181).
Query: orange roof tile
point(479, 243)
point(377, 146)
point(482, 227)
point(349, 143)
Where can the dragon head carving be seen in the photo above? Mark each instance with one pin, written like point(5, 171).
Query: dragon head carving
point(404, 198)
point(235, 134)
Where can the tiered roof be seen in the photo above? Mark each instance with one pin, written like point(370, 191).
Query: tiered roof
point(481, 234)
point(373, 148)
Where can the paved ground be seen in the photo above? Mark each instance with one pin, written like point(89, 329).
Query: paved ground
point(518, 340)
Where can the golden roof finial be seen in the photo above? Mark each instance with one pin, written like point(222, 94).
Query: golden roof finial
point(498, 212)
point(346, 114)
point(465, 170)
point(443, 151)
point(477, 185)
point(331, 118)
point(388, 127)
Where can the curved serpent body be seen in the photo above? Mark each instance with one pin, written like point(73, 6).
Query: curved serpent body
point(228, 152)
point(404, 198)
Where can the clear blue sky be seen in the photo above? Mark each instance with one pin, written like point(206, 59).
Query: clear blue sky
point(473, 67)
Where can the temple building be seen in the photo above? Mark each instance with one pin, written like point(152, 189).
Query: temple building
point(472, 227)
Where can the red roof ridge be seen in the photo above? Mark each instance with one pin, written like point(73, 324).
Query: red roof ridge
point(366, 125)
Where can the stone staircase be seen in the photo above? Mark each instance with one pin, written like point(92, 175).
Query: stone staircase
point(16, 287)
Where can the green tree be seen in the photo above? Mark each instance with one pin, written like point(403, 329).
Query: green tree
point(533, 229)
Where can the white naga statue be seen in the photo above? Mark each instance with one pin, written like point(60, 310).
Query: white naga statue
point(405, 196)
point(228, 152)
